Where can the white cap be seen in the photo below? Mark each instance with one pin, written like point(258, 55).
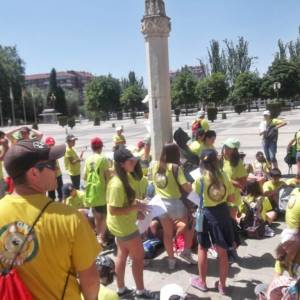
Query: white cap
point(119, 128)
point(200, 113)
point(171, 290)
point(267, 113)
point(146, 99)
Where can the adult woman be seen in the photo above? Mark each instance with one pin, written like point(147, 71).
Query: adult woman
point(123, 208)
point(168, 177)
point(217, 191)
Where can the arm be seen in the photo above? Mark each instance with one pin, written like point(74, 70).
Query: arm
point(4, 143)
point(187, 187)
point(9, 134)
point(283, 123)
point(291, 143)
point(89, 282)
point(74, 161)
point(239, 183)
point(37, 134)
point(119, 211)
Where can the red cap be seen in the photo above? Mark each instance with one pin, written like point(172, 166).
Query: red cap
point(96, 142)
point(50, 141)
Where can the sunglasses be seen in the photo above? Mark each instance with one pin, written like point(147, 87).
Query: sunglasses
point(48, 164)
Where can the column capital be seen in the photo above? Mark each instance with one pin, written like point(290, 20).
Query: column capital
point(156, 26)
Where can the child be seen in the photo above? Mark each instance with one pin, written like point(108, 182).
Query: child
point(261, 167)
point(72, 197)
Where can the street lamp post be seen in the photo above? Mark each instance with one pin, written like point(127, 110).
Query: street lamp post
point(12, 106)
point(277, 87)
point(24, 109)
point(34, 108)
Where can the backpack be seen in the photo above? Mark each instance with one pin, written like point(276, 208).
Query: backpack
point(92, 188)
point(151, 247)
point(11, 285)
point(271, 134)
point(195, 126)
point(252, 224)
point(290, 158)
point(284, 196)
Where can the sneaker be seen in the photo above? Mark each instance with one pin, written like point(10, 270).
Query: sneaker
point(221, 289)
point(171, 263)
point(126, 293)
point(269, 232)
point(195, 283)
point(187, 256)
point(212, 252)
point(145, 295)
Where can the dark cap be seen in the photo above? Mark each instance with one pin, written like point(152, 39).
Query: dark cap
point(208, 155)
point(122, 154)
point(26, 153)
point(275, 172)
point(71, 137)
point(67, 189)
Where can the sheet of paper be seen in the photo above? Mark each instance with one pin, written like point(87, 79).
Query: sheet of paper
point(195, 174)
point(143, 225)
point(194, 197)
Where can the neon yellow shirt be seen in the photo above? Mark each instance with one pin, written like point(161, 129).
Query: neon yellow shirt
point(62, 241)
point(1, 170)
point(196, 147)
point(119, 139)
point(140, 186)
point(214, 195)
point(165, 184)
point(292, 181)
point(121, 225)
point(270, 186)
point(73, 169)
point(235, 173)
point(292, 214)
point(77, 201)
point(100, 163)
point(106, 293)
point(297, 138)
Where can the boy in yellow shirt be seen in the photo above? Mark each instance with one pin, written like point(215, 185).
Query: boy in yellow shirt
point(73, 197)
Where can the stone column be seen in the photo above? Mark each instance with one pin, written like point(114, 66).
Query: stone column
point(156, 27)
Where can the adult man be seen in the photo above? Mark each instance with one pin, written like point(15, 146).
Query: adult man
point(72, 161)
point(61, 250)
point(269, 131)
point(23, 133)
point(3, 150)
point(119, 138)
point(200, 122)
point(96, 177)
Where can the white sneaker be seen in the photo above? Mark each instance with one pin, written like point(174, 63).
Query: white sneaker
point(188, 257)
point(212, 252)
point(171, 263)
point(269, 232)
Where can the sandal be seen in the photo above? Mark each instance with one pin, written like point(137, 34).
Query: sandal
point(221, 289)
point(195, 283)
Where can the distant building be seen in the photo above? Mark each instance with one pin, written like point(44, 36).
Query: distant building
point(198, 71)
point(71, 80)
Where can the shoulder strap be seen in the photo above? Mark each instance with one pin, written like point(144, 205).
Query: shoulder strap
point(65, 286)
point(201, 192)
point(29, 233)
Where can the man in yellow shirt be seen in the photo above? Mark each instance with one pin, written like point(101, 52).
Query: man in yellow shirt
point(58, 256)
point(269, 131)
point(119, 138)
point(72, 161)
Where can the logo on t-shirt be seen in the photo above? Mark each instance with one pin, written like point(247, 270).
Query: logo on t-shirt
point(161, 180)
point(216, 192)
point(12, 237)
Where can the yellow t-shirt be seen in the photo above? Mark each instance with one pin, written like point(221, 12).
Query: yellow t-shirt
point(276, 122)
point(121, 225)
point(77, 201)
point(106, 294)
point(166, 185)
point(1, 170)
point(261, 168)
point(235, 173)
point(271, 186)
point(292, 214)
point(73, 169)
point(212, 195)
point(196, 147)
point(266, 205)
point(62, 241)
point(292, 181)
point(297, 138)
point(140, 186)
point(119, 139)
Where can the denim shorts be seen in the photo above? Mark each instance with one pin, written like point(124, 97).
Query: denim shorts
point(270, 149)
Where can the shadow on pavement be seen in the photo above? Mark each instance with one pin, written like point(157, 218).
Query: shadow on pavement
point(256, 262)
point(242, 293)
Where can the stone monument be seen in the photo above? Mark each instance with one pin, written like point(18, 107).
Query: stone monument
point(156, 27)
point(49, 114)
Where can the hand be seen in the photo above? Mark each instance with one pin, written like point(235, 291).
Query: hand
point(142, 207)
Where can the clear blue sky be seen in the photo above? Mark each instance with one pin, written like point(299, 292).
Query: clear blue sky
point(103, 36)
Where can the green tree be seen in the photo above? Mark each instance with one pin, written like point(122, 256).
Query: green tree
point(183, 89)
point(35, 101)
point(73, 100)
point(132, 97)
point(246, 87)
point(103, 94)
point(213, 89)
point(217, 58)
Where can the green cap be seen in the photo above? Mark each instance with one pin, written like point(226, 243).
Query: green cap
point(232, 143)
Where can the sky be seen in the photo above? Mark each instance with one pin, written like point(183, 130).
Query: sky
point(103, 36)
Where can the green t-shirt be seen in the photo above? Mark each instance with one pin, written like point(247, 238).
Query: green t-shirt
point(95, 182)
point(235, 173)
point(214, 195)
point(119, 139)
point(292, 214)
point(121, 225)
point(140, 186)
point(165, 184)
point(73, 169)
point(77, 201)
point(196, 147)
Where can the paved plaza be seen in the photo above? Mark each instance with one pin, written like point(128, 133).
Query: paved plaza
point(256, 260)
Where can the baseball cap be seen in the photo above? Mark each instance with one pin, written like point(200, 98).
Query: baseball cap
point(96, 142)
point(26, 153)
point(275, 172)
point(119, 128)
point(208, 155)
point(67, 189)
point(71, 137)
point(168, 292)
point(200, 113)
point(50, 141)
point(122, 154)
point(232, 143)
point(267, 113)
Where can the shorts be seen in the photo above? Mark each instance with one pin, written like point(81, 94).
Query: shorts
point(128, 237)
point(101, 209)
point(175, 209)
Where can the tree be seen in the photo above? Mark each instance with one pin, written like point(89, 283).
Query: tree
point(35, 101)
point(103, 94)
point(213, 89)
point(246, 87)
point(217, 58)
point(132, 97)
point(183, 89)
point(73, 100)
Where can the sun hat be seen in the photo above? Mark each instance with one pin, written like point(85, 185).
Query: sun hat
point(232, 143)
point(71, 137)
